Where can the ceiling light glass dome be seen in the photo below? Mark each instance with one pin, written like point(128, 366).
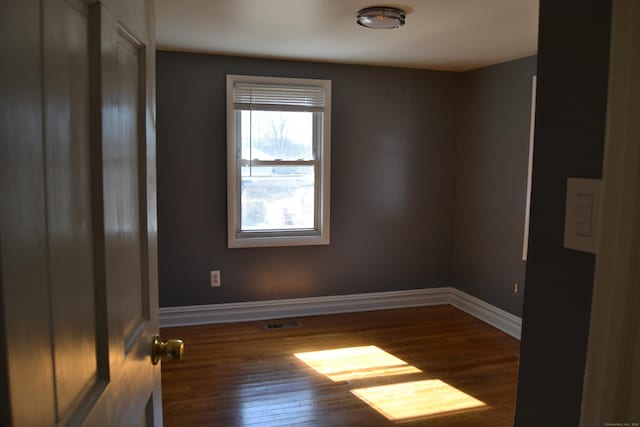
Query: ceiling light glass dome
point(381, 17)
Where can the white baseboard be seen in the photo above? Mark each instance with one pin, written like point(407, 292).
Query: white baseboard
point(299, 307)
point(494, 316)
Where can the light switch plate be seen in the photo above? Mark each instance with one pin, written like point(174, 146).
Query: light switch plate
point(582, 214)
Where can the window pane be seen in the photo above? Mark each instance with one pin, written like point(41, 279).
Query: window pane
point(284, 135)
point(277, 198)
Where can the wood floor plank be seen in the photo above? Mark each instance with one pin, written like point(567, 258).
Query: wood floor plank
point(241, 374)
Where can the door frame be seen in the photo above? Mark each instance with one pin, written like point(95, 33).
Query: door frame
point(612, 374)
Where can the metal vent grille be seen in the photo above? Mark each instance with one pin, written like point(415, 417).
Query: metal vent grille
point(280, 325)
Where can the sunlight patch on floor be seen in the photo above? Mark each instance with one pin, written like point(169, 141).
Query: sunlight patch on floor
point(345, 364)
point(417, 399)
point(401, 401)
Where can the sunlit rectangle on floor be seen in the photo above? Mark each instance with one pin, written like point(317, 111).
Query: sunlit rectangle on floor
point(417, 399)
point(350, 363)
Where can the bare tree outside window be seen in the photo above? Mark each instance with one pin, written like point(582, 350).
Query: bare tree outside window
point(279, 196)
point(284, 135)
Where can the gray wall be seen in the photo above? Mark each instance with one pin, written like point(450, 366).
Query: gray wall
point(491, 177)
point(569, 141)
point(392, 183)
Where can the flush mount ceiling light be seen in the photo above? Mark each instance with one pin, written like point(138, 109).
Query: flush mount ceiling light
point(381, 17)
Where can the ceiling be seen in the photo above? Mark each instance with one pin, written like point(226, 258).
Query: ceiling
point(455, 35)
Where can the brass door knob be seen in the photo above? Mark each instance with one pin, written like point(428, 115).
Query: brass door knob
point(169, 349)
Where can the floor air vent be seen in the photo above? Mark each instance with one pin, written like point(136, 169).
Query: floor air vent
point(273, 326)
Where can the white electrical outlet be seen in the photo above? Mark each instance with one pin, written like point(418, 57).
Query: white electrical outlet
point(516, 288)
point(215, 278)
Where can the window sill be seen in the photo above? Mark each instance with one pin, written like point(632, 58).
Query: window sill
point(266, 242)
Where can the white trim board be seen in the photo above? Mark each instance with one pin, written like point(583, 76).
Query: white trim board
point(612, 375)
point(300, 307)
point(494, 316)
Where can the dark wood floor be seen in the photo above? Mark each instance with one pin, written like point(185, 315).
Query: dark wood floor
point(433, 366)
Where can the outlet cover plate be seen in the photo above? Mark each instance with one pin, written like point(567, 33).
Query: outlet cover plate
point(215, 278)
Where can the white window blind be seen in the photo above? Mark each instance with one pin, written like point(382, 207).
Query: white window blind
point(248, 96)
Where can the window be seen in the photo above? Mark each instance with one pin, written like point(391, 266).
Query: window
point(278, 154)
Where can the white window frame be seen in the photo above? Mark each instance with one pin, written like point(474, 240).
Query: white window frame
point(319, 235)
